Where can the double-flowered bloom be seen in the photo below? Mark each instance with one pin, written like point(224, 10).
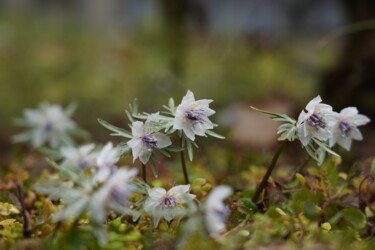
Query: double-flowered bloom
point(216, 212)
point(105, 162)
point(345, 128)
point(315, 121)
point(117, 189)
point(162, 200)
point(47, 124)
point(192, 116)
point(146, 138)
point(79, 158)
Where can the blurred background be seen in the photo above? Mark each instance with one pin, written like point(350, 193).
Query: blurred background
point(272, 54)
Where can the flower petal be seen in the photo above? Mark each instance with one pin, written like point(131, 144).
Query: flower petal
point(162, 140)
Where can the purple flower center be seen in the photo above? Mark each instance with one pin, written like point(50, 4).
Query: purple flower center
point(48, 127)
point(195, 115)
point(82, 163)
point(345, 128)
point(119, 193)
point(149, 141)
point(168, 201)
point(222, 212)
point(316, 121)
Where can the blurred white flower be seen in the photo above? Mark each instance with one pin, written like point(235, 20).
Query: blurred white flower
point(47, 124)
point(216, 212)
point(315, 121)
point(116, 189)
point(192, 116)
point(105, 162)
point(160, 200)
point(79, 158)
point(345, 128)
point(145, 139)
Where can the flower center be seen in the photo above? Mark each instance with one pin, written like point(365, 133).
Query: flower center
point(194, 115)
point(168, 201)
point(82, 163)
point(48, 126)
point(119, 193)
point(149, 141)
point(316, 121)
point(222, 212)
point(345, 128)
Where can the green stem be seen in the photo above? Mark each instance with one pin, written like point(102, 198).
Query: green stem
point(272, 165)
point(144, 173)
point(183, 164)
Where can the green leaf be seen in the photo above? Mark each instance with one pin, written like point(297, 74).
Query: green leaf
point(129, 116)
point(164, 152)
point(372, 170)
point(276, 116)
point(174, 149)
point(70, 109)
point(118, 131)
point(134, 106)
point(324, 146)
point(153, 166)
point(189, 149)
point(213, 134)
point(355, 217)
point(248, 203)
point(54, 153)
point(124, 149)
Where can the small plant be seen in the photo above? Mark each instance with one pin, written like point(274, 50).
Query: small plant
point(89, 200)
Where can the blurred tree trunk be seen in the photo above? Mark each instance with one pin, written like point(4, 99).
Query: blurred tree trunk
point(352, 81)
point(176, 17)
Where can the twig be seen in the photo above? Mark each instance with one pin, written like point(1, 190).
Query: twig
point(27, 230)
point(183, 164)
point(272, 165)
point(361, 201)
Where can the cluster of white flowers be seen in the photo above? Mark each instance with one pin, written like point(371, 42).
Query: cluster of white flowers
point(320, 121)
point(163, 204)
point(153, 132)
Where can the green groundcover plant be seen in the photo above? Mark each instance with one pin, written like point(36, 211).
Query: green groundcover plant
point(86, 199)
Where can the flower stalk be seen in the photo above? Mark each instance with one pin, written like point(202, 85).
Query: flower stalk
point(183, 163)
point(144, 173)
point(272, 165)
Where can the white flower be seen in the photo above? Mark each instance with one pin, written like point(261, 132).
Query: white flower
point(47, 123)
point(192, 116)
point(345, 128)
point(216, 212)
point(145, 139)
point(79, 158)
point(105, 162)
point(116, 189)
point(160, 200)
point(316, 121)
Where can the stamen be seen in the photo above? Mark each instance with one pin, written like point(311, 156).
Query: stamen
point(194, 115)
point(149, 141)
point(316, 121)
point(48, 126)
point(168, 201)
point(345, 128)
